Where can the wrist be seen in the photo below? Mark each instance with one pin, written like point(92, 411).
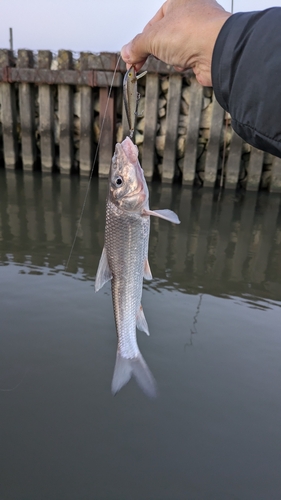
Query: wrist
point(202, 67)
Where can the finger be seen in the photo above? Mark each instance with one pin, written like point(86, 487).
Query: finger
point(137, 50)
point(137, 66)
point(179, 68)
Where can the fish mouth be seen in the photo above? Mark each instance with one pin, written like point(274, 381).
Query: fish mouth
point(130, 150)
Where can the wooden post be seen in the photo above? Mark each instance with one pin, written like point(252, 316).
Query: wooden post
point(213, 149)
point(9, 114)
point(275, 184)
point(150, 124)
point(86, 122)
point(190, 157)
point(107, 136)
point(27, 113)
point(173, 108)
point(233, 161)
point(11, 39)
point(254, 169)
point(46, 115)
point(65, 94)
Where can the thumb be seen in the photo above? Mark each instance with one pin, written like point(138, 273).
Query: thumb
point(137, 50)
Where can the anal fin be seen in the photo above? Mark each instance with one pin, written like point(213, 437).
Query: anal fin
point(104, 273)
point(141, 321)
point(147, 271)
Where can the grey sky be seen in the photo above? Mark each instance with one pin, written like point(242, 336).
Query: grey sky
point(93, 25)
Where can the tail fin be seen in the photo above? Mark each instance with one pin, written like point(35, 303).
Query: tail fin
point(137, 367)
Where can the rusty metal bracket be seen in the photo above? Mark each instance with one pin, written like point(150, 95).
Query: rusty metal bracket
point(6, 72)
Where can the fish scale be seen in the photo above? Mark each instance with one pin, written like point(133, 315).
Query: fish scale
point(125, 230)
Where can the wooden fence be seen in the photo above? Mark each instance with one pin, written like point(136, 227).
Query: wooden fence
point(52, 108)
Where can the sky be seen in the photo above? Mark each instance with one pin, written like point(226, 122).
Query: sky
point(86, 25)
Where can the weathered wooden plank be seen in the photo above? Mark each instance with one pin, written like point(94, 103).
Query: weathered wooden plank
point(190, 157)
point(150, 124)
point(233, 161)
point(275, 183)
point(254, 169)
point(105, 61)
point(91, 78)
point(212, 156)
point(65, 97)
point(27, 113)
point(153, 65)
point(107, 126)
point(8, 114)
point(173, 107)
point(86, 122)
point(46, 116)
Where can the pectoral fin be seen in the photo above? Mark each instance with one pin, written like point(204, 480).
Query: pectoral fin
point(163, 214)
point(141, 321)
point(146, 270)
point(103, 273)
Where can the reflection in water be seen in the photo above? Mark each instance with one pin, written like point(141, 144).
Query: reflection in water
point(213, 310)
point(229, 244)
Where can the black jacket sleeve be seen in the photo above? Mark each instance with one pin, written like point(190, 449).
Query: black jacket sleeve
point(246, 75)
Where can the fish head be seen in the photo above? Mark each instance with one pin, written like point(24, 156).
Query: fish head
point(127, 185)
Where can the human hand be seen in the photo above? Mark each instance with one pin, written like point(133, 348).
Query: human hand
point(183, 34)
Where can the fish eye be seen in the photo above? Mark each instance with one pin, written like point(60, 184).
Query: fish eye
point(119, 181)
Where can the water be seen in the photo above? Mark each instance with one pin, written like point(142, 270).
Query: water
point(215, 350)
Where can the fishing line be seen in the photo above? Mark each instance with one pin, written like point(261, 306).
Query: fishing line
point(93, 166)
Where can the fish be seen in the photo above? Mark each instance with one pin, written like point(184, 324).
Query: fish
point(124, 261)
point(131, 97)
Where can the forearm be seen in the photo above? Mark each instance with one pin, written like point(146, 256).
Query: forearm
point(246, 76)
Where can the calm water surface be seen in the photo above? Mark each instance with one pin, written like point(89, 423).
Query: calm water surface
point(213, 308)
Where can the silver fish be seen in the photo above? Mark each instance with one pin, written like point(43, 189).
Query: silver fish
point(124, 261)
